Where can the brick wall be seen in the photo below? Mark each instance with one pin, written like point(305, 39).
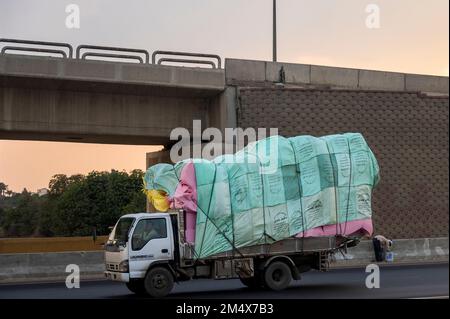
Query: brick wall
point(408, 133)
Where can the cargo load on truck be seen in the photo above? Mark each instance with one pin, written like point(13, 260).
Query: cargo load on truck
point(272, 189)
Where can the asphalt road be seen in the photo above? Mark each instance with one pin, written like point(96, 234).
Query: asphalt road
point(418, 281)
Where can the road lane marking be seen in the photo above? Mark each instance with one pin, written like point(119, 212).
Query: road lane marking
point(433, 297)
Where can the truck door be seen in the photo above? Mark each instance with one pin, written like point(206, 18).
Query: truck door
point(151, 241)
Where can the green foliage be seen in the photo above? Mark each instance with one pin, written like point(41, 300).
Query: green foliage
point(3, 189)
point(60, 182)
point(21, 219)
point(75, 205)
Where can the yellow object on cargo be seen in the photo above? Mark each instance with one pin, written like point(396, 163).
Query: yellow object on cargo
point(158, 199)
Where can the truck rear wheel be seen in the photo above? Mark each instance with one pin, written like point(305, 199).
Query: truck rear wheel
point(158, 282)
point(136, 286)
point(277, 276)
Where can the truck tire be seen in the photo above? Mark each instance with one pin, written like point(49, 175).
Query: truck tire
point(136, 286)
point(252, 282)
point(158, 282)
point(277, 276)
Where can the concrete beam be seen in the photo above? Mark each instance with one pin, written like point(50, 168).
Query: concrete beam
point(44, 98)
point(153, 158)
point(378, 80)
point(30, 68)
point(247, 71)
point(112, 118)
point(294, 73)
point(222, 110)
point(325, 75)
point(426, 83)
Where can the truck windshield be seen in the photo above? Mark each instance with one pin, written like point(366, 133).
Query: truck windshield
point(121, 230)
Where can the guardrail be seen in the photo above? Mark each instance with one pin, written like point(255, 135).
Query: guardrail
point(13, 48)
point(40, 43)
point(83, 52)
point(186, 54)
point(109, 55)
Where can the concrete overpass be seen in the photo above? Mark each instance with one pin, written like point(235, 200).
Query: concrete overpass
point(55, 99)
point(46, 98)
point(404, 117)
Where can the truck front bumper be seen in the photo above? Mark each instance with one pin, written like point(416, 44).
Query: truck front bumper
point(117, 276)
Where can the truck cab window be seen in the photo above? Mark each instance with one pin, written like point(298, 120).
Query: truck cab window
point(146, 230)
point(120, 232)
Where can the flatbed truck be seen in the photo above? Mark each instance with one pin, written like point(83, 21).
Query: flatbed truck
point(152, 264)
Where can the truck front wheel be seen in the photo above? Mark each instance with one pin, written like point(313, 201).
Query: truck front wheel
point(158, 282)
point(277, 276)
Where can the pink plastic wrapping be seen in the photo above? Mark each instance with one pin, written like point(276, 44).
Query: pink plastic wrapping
point(185, 197)
point(362, 226)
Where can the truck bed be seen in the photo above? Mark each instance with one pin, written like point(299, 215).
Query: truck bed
point(286, 247)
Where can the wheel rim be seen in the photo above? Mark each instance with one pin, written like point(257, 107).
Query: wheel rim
point(159, 281)
point(277, 275)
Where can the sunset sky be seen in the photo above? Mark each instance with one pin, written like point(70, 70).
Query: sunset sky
point(412, 37)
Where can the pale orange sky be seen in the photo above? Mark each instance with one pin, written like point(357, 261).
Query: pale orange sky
point(412, 38)
point(30, 164)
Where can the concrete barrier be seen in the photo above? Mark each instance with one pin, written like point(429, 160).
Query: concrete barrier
point(325, 75)
point(426, 83)
point(247, 71)
point(294, 73)
point(35, 68)
point(52, 266)
point(405, 251)
point(379, 80)
point(49, 266)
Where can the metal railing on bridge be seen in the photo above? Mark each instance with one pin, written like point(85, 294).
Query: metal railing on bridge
point(214, 62)
point(43, 47)
point(89, 52)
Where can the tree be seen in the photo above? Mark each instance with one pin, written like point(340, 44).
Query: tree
point(78, 204)
point(22, 220)
point(2, 214)
point(60, 182)
point(3, 189)
point(75, 205)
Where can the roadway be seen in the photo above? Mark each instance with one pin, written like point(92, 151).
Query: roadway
point(413, 281)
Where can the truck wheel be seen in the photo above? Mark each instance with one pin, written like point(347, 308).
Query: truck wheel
point(136, 286)
point(251, 282)
point(277, 276)
point(158, 282)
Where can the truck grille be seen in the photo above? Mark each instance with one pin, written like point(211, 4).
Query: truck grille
point(112, 266)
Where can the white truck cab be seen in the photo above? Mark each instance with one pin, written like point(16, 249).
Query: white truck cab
point(136, 242)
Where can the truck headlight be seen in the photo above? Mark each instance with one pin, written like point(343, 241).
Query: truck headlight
point(123, 266)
